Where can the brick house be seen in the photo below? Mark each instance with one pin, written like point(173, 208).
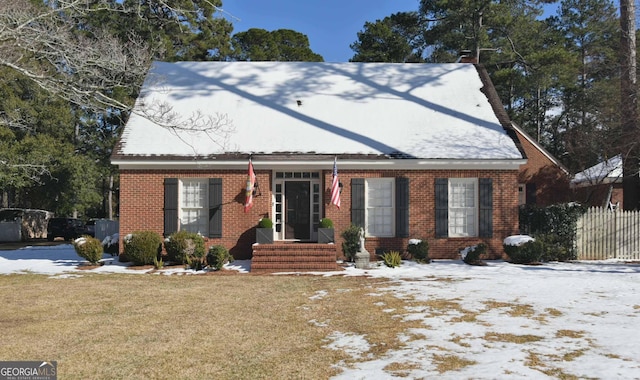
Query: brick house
point(600, 185)
point(423, 151)
point(543, 180)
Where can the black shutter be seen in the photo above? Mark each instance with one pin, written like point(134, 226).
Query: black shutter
point(442, 207)
point(485, 217)
point(215, 207)
point(530, 193)
point(402, 207)
point(357, 201)
point(170, 206)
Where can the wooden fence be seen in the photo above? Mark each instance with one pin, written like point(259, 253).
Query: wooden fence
point(604, 234)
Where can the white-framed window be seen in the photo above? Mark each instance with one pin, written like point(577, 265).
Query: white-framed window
point(194, 212)
point(380, 207)
point(463, 207)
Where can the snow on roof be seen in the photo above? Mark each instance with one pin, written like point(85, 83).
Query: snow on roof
point(607, 171)
point(426, 111)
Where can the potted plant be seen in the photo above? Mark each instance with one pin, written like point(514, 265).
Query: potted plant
point(264, 231)
point(325, 231)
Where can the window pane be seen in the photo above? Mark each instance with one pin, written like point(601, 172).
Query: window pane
point(379, 194)
point(193, 193)
point(193, 206)
point(462, 207)
point(379, 221)
point(380, 207)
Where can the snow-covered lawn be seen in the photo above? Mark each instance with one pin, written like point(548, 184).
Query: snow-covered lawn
point(555, 320)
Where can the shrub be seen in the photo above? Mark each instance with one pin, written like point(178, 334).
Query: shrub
point(195, 263)
point(471, 255)
point(89, 248)
point(419, 250)
point(527, 253)
point(218, 256)
point(325, 223)
point(182, 245)
point(351, 242)
point(555, 225)
point(265, 223)
point(392, 259)
point(142, 247)
point(555, 249)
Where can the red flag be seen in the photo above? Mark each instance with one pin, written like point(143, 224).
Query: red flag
point(335, 185)
point(251, 181)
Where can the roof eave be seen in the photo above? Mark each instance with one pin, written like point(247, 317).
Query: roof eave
point(325, 163)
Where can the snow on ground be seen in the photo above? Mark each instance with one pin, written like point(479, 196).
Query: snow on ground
point(574, 319)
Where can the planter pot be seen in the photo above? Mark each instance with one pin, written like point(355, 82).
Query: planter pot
point(264, 235)
point(325, 235)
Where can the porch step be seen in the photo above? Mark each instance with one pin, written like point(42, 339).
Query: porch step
point(293, 257)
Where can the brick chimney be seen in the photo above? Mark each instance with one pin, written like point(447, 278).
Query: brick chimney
point(466, 56)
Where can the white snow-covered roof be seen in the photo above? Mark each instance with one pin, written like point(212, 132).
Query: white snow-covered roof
point(425, 111)
point(604, 172)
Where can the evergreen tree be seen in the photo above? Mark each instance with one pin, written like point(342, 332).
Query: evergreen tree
point(585, 124)
point(279, 45)
point(396, 38)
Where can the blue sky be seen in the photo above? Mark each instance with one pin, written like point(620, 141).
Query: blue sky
point(331, 25)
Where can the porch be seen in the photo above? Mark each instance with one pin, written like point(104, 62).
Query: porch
point(293, 257)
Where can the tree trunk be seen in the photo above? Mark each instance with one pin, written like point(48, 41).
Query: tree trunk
point(629, 107)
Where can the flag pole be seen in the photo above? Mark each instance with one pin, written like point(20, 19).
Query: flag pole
point(335, 184)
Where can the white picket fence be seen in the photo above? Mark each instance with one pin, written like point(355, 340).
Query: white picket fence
point(604, 234)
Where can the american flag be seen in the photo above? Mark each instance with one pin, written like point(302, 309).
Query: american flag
point(335, 185)
point(251, 181)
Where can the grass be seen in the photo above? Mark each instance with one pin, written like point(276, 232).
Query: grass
point(240, 326)
point(196, 327)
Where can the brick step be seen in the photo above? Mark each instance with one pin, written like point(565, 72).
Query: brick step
point(296, 258)
point(292, 267)
point(294, 253)
point(290, 257)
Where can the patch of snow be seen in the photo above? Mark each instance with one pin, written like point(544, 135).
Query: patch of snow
point(353, 344)
point(517, 240)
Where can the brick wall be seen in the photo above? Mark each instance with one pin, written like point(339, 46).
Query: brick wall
point(552, 183)
point(142, 196)
point(597, 195)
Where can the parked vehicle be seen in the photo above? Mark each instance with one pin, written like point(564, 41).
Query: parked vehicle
point(90, 228)
point(67, 228)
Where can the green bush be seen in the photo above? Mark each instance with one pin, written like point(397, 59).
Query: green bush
point(195, 263)
point(325, 223)
point(555, 226)
point(555, 249)
point(217, 256)
point(392, 259)
point(527, 253)
point(89, 248)
point(419, 251)
point(142, 247)
point(265, 223)
point(351, 242)
point(471, 255)
point(182, 245)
